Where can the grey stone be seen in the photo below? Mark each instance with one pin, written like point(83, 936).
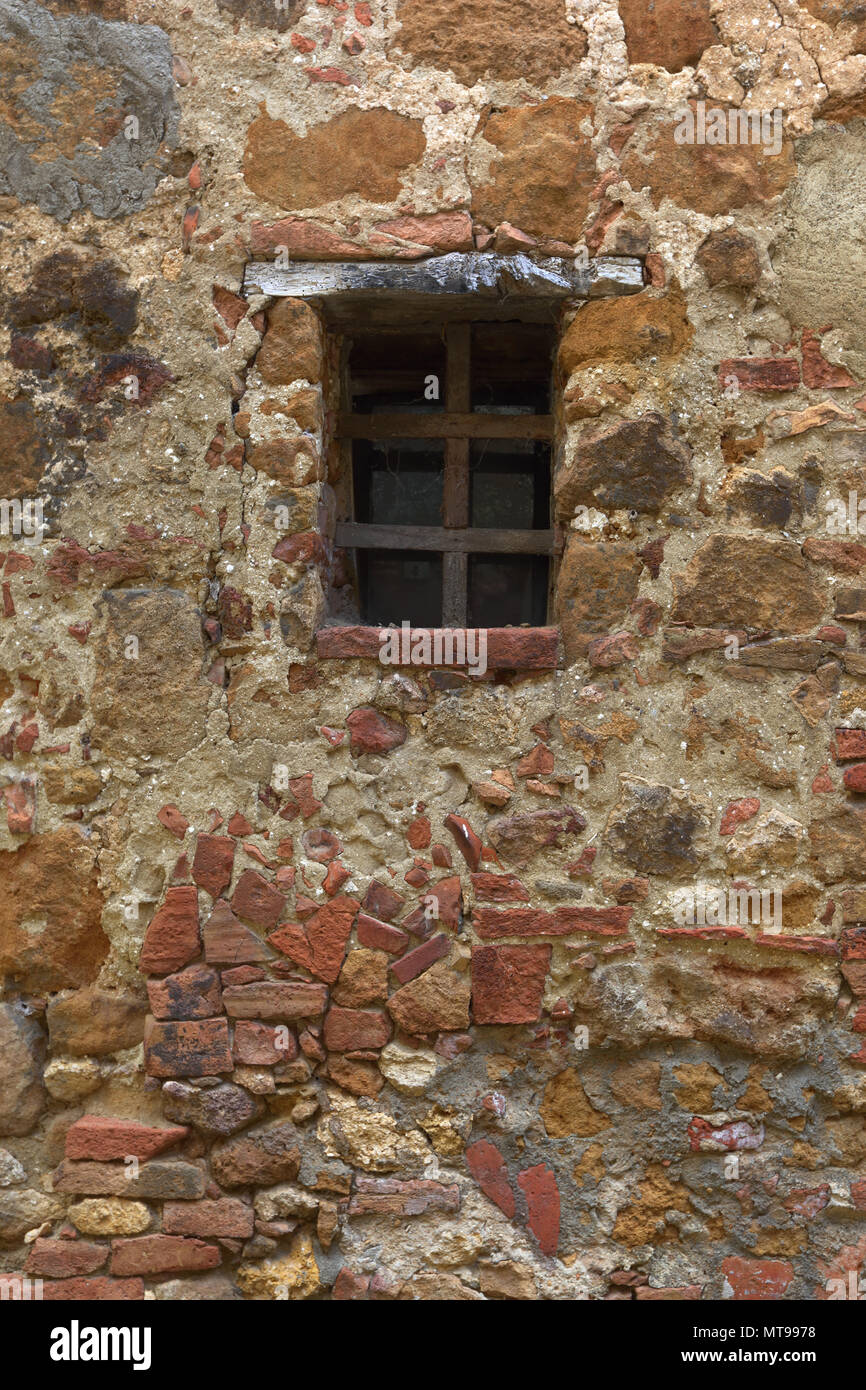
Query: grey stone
point(22, 1047)
point(78, 80)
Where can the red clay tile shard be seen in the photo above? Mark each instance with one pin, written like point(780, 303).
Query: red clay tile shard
point(465, 838)
point(539, 1187)
point(188, 1049)
point(319, 945)
point(213, 862)
point(738, 811)
point(173, 820)
point(381, 901)
point(760, 373)
point(379, 936)
point(228, 942)
point(257, 900)
point(537, 763)
point(421, 958)
point(487, 1167)
point(372, 732)
point(99, 1137)
point(508, 983)
point(172, 939)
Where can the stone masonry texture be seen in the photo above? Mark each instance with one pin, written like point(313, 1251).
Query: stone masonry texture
point(326, 979)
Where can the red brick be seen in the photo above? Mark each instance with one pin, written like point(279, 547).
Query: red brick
point(756, 1280)
point(465, 838)
point(379, 936)
point(64, 1259)
point(227, 1217)
point(98, 1136)
point(372, 732)
point(508, 983)
point(98, 1290)
point(487, 1167)
point(257, 900)
point(162, 1254)
point(499, 888)
point(352, 1030)
point(188, 1049)
point(854, 777)
point(172, 939)
point(393, 1196)
point(491, 923)
point(761, 373)
point(192, 993)
point(539, 1187)
point(421, 958)
point(274, 1000)
point(213, 863)
point(302, 790)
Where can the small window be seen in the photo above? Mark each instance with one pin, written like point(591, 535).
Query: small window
point(450, 435)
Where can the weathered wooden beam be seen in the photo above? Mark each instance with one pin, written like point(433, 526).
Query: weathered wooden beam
point(482, 275)
point(474, 539)
point(444, 424)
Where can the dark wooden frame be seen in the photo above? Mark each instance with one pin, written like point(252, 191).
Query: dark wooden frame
point(457, 425)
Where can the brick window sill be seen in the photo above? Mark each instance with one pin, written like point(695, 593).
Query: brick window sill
point(508, 648)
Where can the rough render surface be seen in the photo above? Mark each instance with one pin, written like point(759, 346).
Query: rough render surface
point(216, 847)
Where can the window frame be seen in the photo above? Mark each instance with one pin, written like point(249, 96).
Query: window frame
point(457, 425)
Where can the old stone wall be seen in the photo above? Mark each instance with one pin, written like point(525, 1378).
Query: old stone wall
point(325, 979)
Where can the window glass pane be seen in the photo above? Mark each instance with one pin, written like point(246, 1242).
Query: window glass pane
point(398, 482)
point(511, 367)
point(400, 585)
point(397, 371)
point(509, 484)
point(507, 590)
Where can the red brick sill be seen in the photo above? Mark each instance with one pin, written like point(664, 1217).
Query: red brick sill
point(508, 648)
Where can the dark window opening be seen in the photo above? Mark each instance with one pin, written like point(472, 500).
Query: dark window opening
point(450, 431)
